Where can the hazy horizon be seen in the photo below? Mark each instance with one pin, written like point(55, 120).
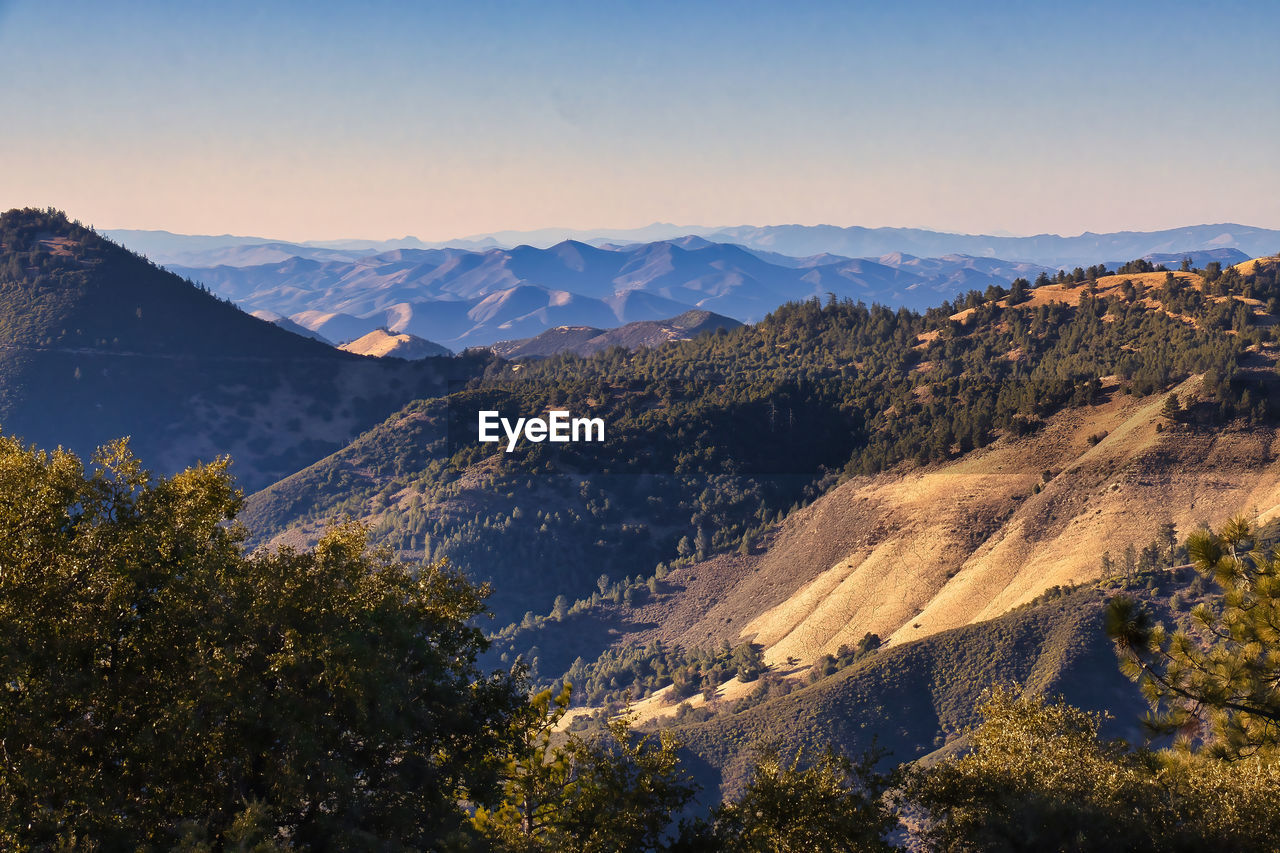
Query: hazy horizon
point(391, 238)
point(317, 123)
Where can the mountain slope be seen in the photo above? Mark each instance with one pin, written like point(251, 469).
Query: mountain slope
point(384, 344)
point(916, 698)
point(97, 343)
point(907, 554)
point(711, 442)
point(586, 340)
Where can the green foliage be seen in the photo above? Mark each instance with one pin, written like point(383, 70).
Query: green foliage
point(619, 793)
point(1215, 681)
point(787, 807)
point(533, 777)
point(1039, 777)
point(159, 683)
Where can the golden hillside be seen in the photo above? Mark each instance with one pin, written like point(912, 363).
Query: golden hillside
point(908, 555)
point(382, 344)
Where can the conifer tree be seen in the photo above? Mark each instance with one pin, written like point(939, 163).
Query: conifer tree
point(1218, 681)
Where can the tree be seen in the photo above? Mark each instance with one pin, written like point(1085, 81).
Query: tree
point(1217, 681)
point(1018, 291)
point(624, 791)
point(617, 793)
point(831, 804)
point(1167, 538)
point(161, 684)
point(533, 776)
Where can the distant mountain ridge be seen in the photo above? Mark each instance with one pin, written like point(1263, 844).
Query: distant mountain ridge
point(794, 240)
point(586, 340)
point(462, 298)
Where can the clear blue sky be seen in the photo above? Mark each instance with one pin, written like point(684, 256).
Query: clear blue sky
point(323, 120)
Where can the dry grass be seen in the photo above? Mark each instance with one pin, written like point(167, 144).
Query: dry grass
point(906, 555)
point(379, 343)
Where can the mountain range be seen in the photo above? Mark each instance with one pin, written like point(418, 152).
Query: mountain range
point(477, 292)
point(462, 298)
point(1049, 250)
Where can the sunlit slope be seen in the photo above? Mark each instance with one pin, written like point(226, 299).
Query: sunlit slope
point(905, 555)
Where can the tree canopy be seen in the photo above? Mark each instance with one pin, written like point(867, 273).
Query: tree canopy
point(160, 683)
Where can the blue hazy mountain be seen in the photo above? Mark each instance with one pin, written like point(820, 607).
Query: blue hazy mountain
point(783, 241)
point(464, 298)
point(1046, 249)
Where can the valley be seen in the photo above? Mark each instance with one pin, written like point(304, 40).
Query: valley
point(837, 524)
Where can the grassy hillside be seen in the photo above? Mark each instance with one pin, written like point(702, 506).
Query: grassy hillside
point(96, 343)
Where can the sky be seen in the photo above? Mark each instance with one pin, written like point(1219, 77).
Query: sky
point(446, 119)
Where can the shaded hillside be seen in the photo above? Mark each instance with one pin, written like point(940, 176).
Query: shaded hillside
point(585, 340)
point(96, 343)
point(918, 697)
point(711, 442)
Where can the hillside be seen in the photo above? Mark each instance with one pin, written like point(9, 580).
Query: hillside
point(384, 344)
point(906, 554)
point(585, 340)
point(917, 698)
point(97, 343)
point(713, 442)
